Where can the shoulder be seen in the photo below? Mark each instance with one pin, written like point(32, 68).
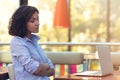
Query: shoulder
point(17, 40)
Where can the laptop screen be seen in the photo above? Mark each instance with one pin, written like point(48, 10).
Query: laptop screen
point(105, 59)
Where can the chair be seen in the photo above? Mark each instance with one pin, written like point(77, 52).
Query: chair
point(5, 58)
point(115, 60)
point(11, 72)
point(65, 58)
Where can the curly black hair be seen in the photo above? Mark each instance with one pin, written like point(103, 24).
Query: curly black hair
point(18, 21)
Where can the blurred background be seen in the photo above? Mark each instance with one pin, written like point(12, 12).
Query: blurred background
point(91, 21)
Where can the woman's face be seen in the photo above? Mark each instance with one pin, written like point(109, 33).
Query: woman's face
point(33, 24)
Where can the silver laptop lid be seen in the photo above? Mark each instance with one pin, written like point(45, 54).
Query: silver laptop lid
point(105, 59)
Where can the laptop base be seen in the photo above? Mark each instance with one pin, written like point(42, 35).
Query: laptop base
point(91, 74)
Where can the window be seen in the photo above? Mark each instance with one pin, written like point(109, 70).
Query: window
point(6, 10)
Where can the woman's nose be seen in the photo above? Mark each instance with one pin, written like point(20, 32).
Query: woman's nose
point(37, 23)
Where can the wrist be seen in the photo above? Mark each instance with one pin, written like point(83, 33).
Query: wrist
point(48, 68)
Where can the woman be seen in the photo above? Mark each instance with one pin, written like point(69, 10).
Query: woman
point(29, 60)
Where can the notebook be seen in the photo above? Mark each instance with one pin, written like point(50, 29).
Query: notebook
point(106, 66)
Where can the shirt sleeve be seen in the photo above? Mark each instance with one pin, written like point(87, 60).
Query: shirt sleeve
point(50, 63)
point(45, 56)
point(21, 53)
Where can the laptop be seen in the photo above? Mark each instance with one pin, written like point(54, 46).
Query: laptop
point(106, 66)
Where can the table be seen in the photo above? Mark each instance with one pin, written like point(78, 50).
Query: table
point(115, 76)
point(3, 73)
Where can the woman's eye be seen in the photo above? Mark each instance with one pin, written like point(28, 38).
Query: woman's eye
point(32, 21)
point(38, 18)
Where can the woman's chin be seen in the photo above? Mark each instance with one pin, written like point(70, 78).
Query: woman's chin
point(35, 31)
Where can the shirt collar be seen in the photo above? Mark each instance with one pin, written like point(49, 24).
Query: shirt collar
point(33, 38)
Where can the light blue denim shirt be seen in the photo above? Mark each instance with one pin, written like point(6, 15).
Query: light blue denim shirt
point(26, 56)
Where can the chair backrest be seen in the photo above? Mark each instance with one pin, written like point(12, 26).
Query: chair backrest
point(66, 58)
point(115, 58)
point(11, 72)
point(65, 62)
point(5, 57)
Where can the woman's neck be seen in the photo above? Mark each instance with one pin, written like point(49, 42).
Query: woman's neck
point(29, 35)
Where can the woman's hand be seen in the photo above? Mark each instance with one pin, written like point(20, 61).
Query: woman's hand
point(51, 72)
point(42, 69)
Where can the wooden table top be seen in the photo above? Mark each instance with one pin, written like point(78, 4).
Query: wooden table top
point(3, 69)
point(3, 73)
point(115, 76)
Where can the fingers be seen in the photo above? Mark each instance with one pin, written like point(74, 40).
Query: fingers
point(51, 72)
